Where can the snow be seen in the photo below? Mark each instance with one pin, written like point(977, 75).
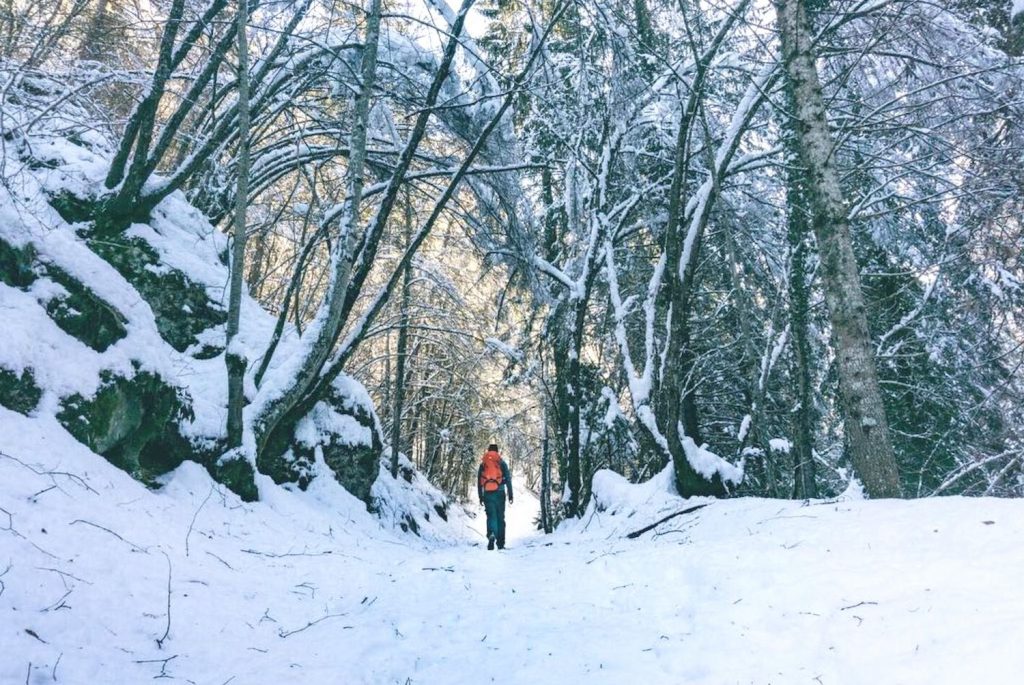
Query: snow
point(184, 240)
point(1018, 8)
point(707, 463)
point(306, 586)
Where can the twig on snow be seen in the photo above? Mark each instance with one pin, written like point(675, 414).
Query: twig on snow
point(52, 474)
point(288, 633)
point(2, 574)
point(59, 604)
point(29, 631)
point(63, 575)
point(135, 548)
point(221, 560)
point(35, 496)
point(449, 569)
point(195, 516)
point(167, 631)
point(274, 555)
point(637, 533)
point(54, 672)
point(858, 604)
point(606, 554)
point(163, 665)
point(10, 529)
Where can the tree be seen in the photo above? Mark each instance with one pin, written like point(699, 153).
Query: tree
point(867, 429)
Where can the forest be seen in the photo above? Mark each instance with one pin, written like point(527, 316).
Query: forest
point(288, 267)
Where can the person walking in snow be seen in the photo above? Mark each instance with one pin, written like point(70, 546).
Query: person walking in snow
point(493, 481)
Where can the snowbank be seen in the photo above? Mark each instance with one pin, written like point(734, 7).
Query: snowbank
point(105, 581)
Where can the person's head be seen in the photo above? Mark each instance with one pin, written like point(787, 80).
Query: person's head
point(493, 447)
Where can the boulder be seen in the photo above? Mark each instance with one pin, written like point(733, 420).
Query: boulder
point(133, 422)
point(82, 314)
point(342, 430)
point(181, 307)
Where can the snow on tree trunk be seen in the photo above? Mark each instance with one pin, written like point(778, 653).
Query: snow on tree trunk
point(233, 356)
point(867, 430)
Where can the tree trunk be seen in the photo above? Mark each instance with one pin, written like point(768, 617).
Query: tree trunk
point(235, 358)
point(804, 482)
point(403, 341)
point(867, 430)
point(545, 479)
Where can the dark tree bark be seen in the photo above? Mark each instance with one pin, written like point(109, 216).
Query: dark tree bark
point(804, 482)
point(403, 343)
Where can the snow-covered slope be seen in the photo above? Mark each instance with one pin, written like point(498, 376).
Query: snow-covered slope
point(120, 338)
point(105, 581)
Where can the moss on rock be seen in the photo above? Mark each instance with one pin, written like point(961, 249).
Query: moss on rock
point(133, 422)
point(355, 466)
point(83, 315)
point(72, 209)
point(16, 265)
point(19, 392)
point(181, 306)
point(237, 475)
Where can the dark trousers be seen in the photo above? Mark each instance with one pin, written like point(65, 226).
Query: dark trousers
point(494, 505)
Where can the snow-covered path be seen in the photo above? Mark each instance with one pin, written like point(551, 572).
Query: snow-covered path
point(309, 588)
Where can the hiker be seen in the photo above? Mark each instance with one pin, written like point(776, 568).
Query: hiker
point(493, 480)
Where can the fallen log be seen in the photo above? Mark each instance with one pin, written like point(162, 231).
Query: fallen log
point(637, 533)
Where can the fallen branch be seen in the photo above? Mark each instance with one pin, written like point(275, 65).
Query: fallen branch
point(288, 633)
point(449, 569)
point(274, 555)
point(637, 533)
point(859, 604)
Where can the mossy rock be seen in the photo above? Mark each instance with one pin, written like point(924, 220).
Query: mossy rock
point(19, 392)
point(133, 422)
point(83, 315)
point(237, 475)
point(294, 465)
point(72, 209)
point(355, 466)
point(181, 307)
point(16, 265)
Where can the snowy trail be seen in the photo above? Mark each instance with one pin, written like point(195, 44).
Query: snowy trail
point(309, 588)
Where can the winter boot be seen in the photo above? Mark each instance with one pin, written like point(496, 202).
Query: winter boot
point(490, 541)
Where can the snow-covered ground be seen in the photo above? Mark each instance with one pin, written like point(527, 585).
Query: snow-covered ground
point(106, 582)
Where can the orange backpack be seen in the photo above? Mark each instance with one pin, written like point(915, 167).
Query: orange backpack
point(491, 476)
